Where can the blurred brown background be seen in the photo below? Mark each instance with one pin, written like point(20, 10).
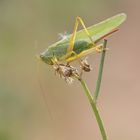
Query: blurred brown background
point(27, 28)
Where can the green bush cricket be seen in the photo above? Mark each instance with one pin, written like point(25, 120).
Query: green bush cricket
point(79, 44)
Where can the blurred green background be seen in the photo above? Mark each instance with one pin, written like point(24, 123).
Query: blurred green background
point(27, 27)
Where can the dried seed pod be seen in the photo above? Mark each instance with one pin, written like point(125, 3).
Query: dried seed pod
point(66, 72)
point(85, 66)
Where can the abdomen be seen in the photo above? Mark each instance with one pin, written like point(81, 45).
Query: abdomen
point(60, 50)
point(80, 46)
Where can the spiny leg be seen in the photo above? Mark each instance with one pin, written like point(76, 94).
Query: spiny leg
point(101, 47)
point(69, 55)
point(72, 39)
point(84, 53)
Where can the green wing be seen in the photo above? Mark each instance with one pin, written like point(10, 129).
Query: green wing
point(99, 30)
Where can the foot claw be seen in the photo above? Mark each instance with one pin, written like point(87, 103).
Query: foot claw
point(101, 48)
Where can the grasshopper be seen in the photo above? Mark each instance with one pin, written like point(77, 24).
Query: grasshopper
point(80, 44)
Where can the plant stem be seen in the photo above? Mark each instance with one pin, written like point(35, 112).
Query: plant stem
point(95, 110)
point(98, 83)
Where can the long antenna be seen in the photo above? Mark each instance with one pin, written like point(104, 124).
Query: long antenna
point(39, 75)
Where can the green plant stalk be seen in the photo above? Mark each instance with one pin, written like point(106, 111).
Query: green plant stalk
point(95, 110)
point(98, 83)
point(96, 94)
